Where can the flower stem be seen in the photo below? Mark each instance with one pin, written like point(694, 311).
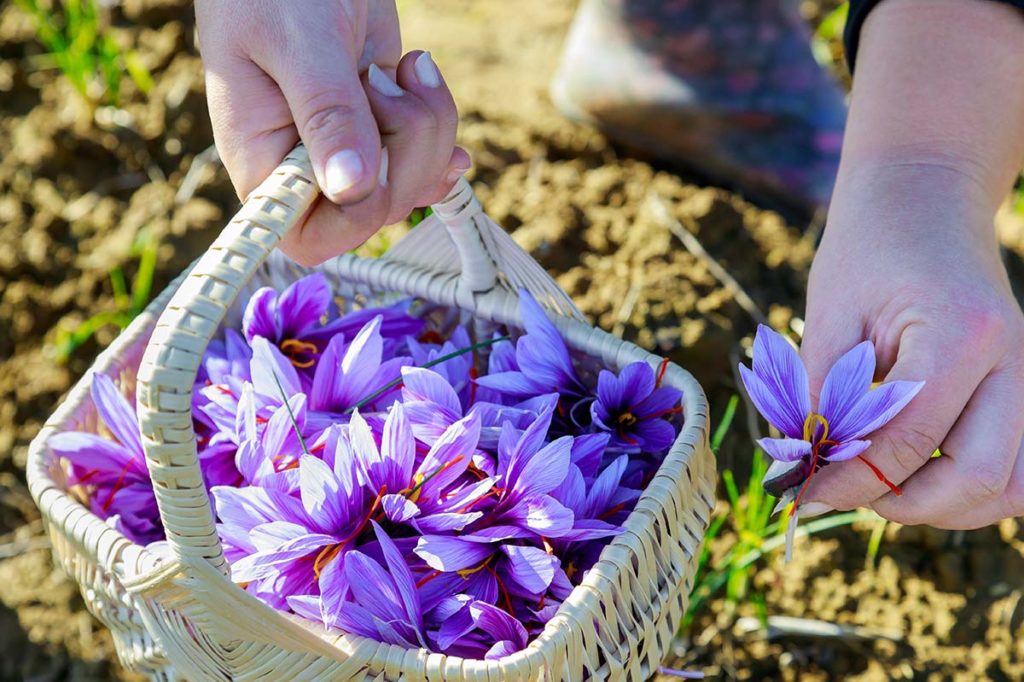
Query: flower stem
point(291, 415)
point(426, 365)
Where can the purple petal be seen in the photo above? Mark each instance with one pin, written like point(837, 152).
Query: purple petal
point(92, 452)
point(847, 381)
point(847, 450)
point(306, 605)
point(321, 494)
point(530, 568)
point(334, 591)
point(875, 409)
point(398, 448)
point(445, 522)
point(587, 452)
point(771, 408)
point(272, 373)
point(361, 361)
point(398, 508)
point(260, 316)
point(423, 384)
point(542, 353)
point(449, 456)
point(572, 492)
point(115, 412)
point(302, 304)
point(456, 623)
point(654, 435)
point(512, 383)
point(544, 470)
point(252, 506)
point(600, 494)
point(659, 403)
point(448, 554)
point(785, 449)
point(372, 587)
point(400, 574)
point(356, 620)
point(590, 529)
point(543, 515)
point(782, 373)
point(499, 624)
point(325, 394)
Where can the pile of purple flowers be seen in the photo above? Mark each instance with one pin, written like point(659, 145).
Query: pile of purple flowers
point(386, 474)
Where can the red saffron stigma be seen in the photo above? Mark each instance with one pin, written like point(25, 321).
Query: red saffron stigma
point(814, 468)
point(427, 578)
point(431, 336)
point(473, 376)
point(117, 486)
point(661, 372)
point(896, 490)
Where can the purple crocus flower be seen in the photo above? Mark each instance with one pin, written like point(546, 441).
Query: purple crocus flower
point(298, 551)
point(349, 374)
point(632, 407)
point(113, 470)
point(383, 602)
point(432, 404)
point(847, 411)
point(476, 629)
point(541, 363)
point(428, 495)
point(297, 320)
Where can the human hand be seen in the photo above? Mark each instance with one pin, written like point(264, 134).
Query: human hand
point(379, 127)
point(909, 261)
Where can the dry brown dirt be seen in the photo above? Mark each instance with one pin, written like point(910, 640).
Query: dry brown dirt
point(77, 188)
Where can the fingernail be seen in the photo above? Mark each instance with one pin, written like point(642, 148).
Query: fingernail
point(426, 71)
point(343, 170)
point(457, 171)
point(383, 84)
point(382, 175)
point(811, 509)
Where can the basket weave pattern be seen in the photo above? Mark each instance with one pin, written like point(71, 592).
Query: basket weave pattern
point(178, 616)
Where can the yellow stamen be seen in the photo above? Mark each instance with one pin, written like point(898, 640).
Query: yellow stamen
point(293, 347)
point(466, 572)
point(413, 493)
point(810, 426)
point(627, 419)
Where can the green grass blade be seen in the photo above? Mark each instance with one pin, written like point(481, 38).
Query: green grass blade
point(723, 426)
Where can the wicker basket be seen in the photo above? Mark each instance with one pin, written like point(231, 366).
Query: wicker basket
point(179, 616)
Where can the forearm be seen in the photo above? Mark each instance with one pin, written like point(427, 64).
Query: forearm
point(938, 93)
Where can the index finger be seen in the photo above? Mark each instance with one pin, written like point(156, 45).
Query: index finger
point(906, 443)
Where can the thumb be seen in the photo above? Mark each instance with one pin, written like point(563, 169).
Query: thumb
point(322, 87)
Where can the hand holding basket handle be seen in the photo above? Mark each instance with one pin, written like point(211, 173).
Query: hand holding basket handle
point(379, 126)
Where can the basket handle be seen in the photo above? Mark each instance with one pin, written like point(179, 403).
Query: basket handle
point(171, 361)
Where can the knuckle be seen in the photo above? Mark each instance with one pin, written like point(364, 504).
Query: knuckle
point(910, 447)
point(984, 324)
point(327, 117)
point(985, 480)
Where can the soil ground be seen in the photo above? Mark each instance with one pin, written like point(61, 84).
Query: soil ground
point(78, 187)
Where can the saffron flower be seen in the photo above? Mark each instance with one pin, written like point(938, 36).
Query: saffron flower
point(632, 407)
point(540, 363)
point(297, 320)
point(832, 431)
point(113, 470)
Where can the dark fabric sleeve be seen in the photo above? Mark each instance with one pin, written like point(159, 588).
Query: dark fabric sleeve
point(859, 10)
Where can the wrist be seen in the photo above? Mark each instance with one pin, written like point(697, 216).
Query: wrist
point(924, 188)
